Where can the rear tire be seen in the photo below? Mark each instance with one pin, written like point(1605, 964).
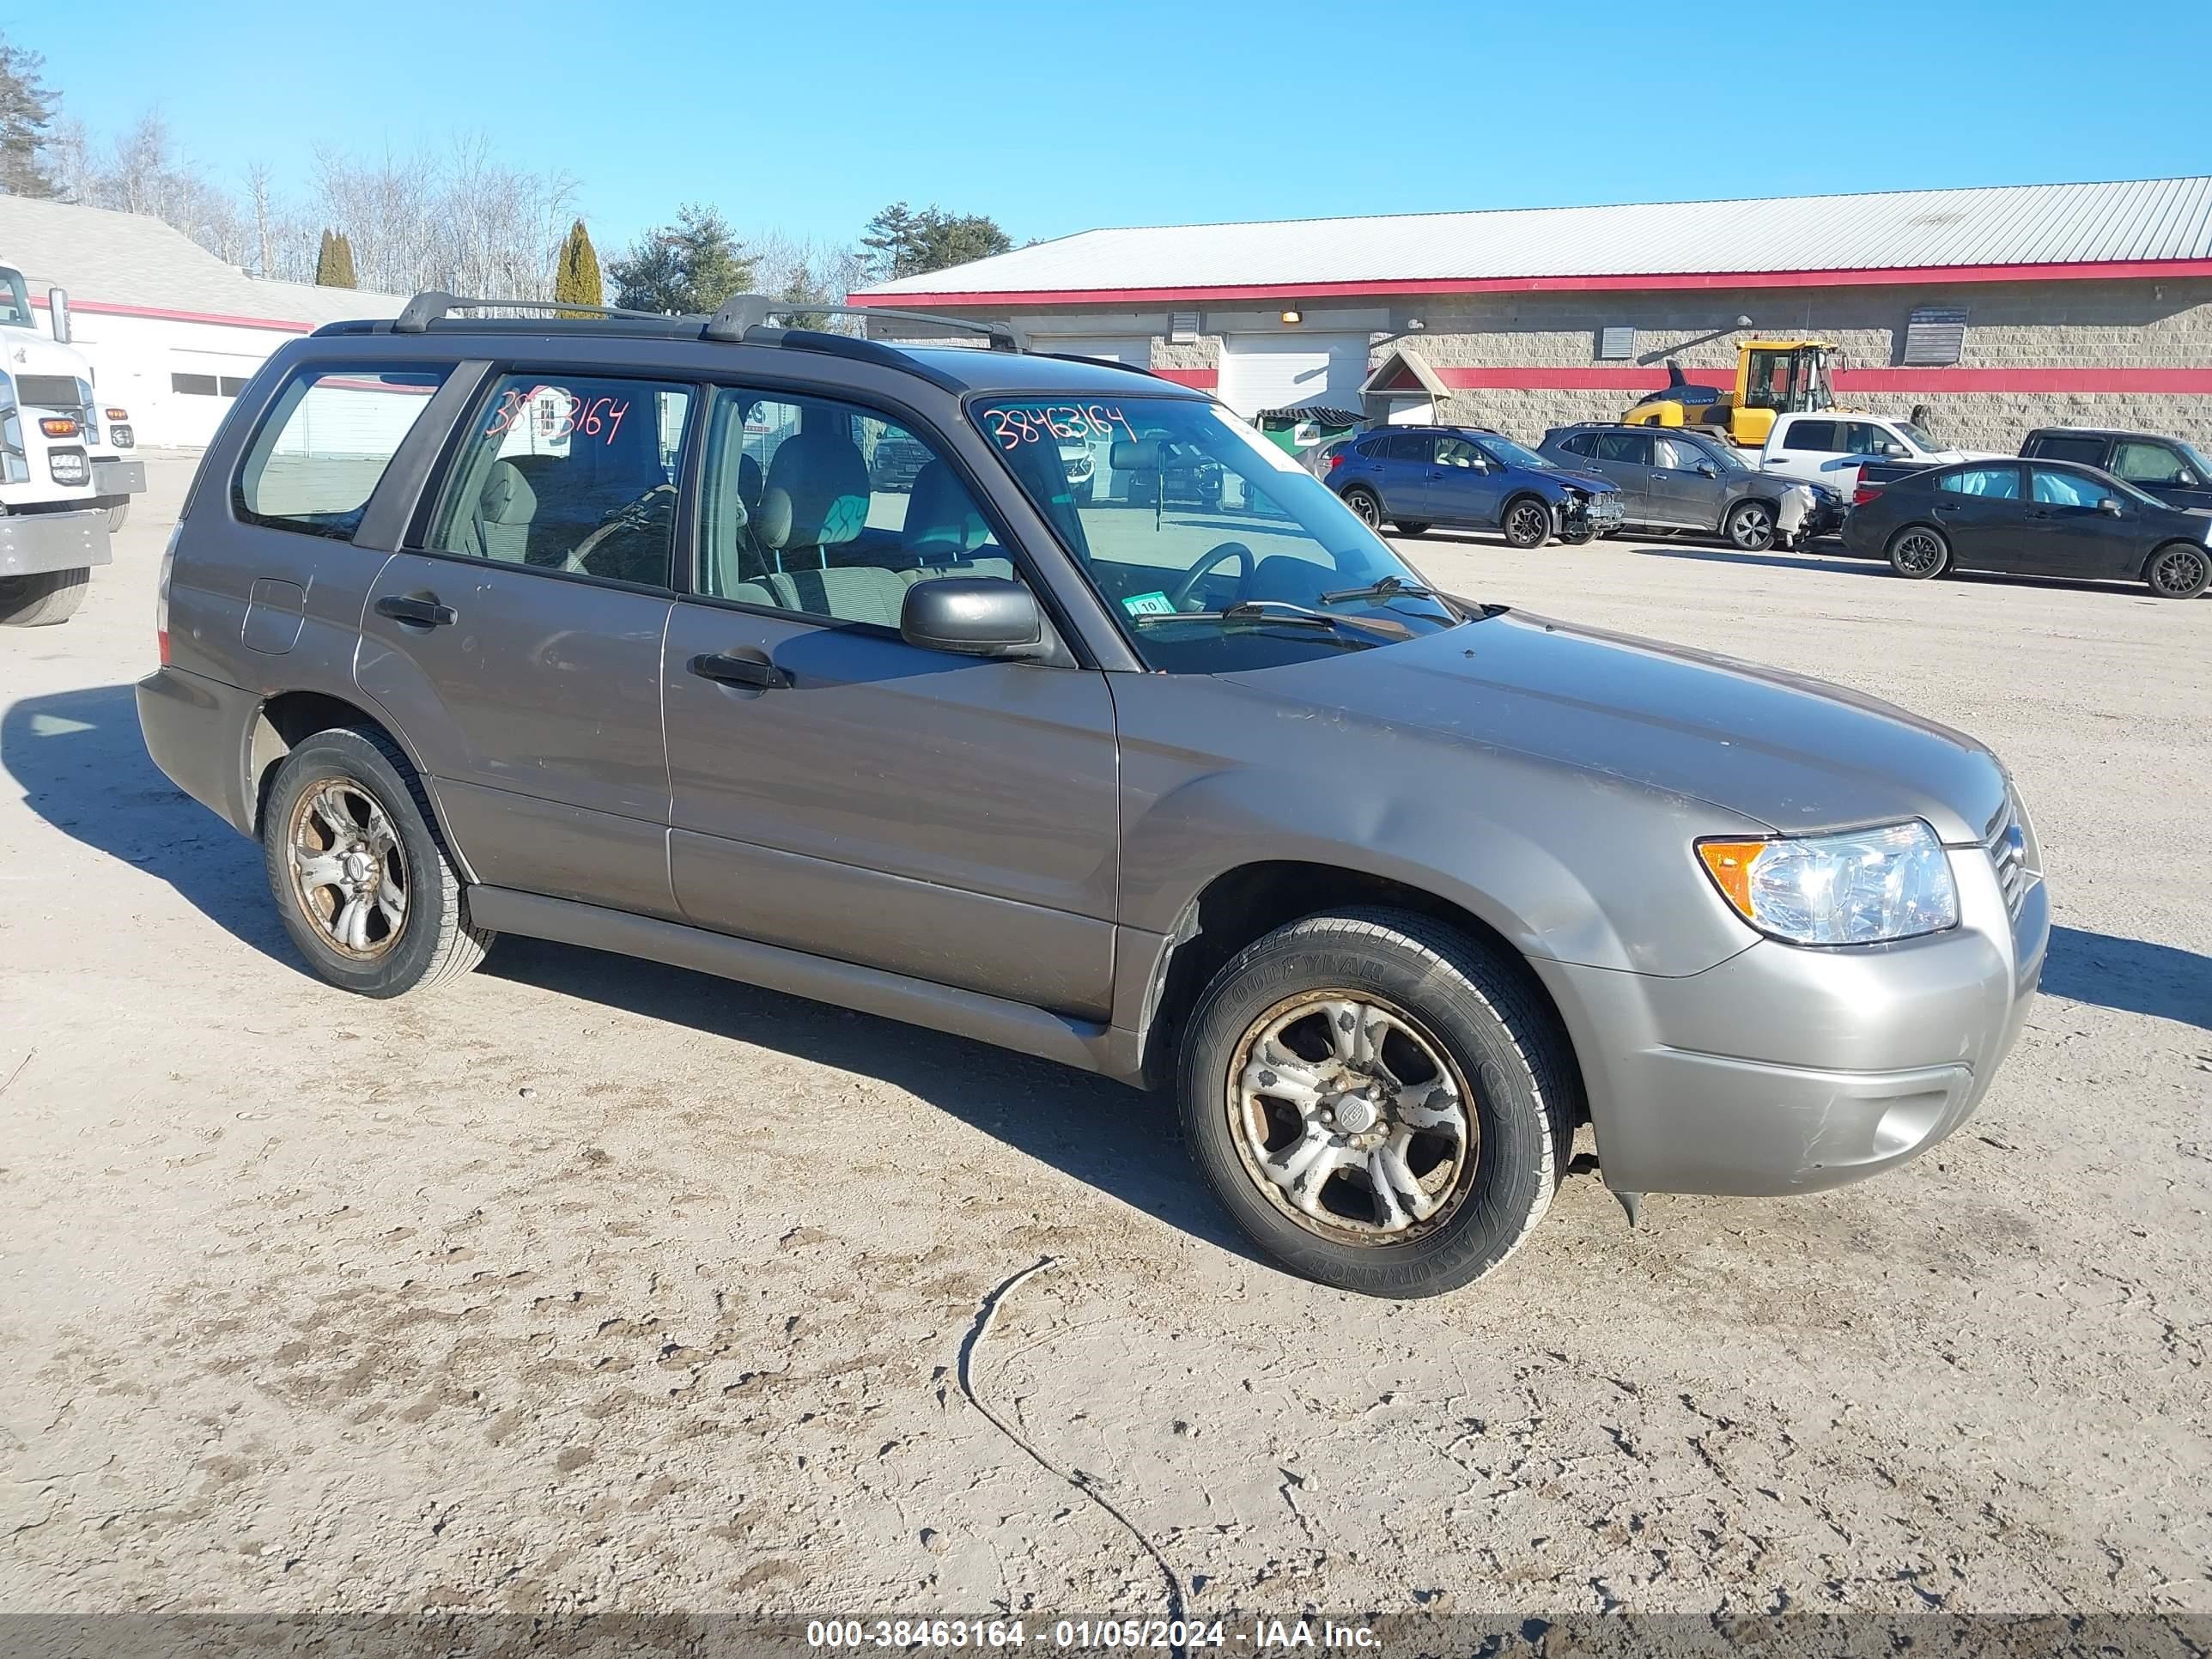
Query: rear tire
point(1574, 535)
point(1917, 552)
point(1365, 505)
point(1410, 526)
point(2179, 570)
point(358, 870)
point(1527, 522)
point(43, 598)
point(1445, 1104)
point(117, 515)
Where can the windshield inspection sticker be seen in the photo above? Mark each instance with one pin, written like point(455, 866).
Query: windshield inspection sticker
point(1154, 603)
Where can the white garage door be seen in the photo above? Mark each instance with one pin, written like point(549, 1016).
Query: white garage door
point(1273, 371)
point(1135, 351)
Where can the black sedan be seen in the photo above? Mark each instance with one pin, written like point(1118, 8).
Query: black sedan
point(2033, 519)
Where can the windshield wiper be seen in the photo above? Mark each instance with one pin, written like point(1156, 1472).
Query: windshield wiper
point(1277, 611)
point(1390, 587)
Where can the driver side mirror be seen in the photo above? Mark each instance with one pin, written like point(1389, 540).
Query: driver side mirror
point(2110, 505)
point(1707, 470)
point(1892, 448)
point(973, 617)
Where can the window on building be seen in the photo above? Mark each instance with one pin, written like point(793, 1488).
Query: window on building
point(570, 472)
point(1616, 342)
point(323, 447)
point(196, 386)
point(232, 385)
point(1935, 337)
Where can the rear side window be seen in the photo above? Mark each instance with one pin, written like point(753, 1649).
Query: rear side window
point(323, 446)
point(1578, 445)
point(570, 472)
point(2088, 451)
point(1993, 482)
point(1633, 448)
point(1818, 437)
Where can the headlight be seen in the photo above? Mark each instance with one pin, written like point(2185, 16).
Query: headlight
point(1855, 889)
point(67, 469)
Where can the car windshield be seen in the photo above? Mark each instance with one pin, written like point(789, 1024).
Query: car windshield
point(1219, 550)
point(2196, 459)
point(1506, 450)
point(15, 303)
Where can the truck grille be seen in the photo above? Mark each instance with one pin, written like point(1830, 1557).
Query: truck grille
point(2008, 850)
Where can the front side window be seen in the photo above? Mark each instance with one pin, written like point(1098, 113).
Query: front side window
point(571, 473)
point(15, 300)
point(1678, 456)
point(827, 510)
point(1217, 550)
point(2148, 463)
point(323, 448)
point(1862, 438)
point(2056, 489)
point(1990, 483)
point(1457, 452)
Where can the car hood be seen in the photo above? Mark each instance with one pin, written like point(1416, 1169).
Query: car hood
point(1596, 483)
point(1797, 755)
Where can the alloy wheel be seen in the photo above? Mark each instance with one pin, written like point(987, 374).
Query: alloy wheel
point(1527, 524)
point(1351, 1119)
point(2179, 571)
point(1751, 528)
point(1364, 505)
point(348, 868)
point(1917, 553)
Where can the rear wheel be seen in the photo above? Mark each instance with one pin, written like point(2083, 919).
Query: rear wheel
point(1751, 527)
point(1363, 501)
point(2179, 570)
point(1575, 534)
point(116, 516)
point(1527, 522)
point(359, 874)
point(1919, 551)
point(43, 599)
point(1378, 1102)
point(1410, 526)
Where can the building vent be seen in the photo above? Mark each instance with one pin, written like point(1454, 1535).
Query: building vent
point(1616, 344)
point(1935, 337)
point(1183, 328)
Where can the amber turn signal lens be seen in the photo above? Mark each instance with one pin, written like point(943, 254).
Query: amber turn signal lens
point(58, 426)
point(1729, 863)
point(119, 414)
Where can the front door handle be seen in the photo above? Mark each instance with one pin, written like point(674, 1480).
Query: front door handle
point(738, 671)
point(422, 610)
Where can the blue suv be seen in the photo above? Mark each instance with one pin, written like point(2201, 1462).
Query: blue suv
point(1419, 475)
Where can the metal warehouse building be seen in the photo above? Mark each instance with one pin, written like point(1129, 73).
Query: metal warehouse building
point(171, 332)
point(1999, 309)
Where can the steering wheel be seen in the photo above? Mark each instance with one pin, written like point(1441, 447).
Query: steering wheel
point(1187, 585)
point(631, 515)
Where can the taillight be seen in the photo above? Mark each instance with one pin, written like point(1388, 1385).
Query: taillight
point(1336, 460)
point(161, 596)
point(58, 426)
point(1864, 493)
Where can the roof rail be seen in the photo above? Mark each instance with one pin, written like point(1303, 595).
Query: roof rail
point(741, 312)
point(431, 306)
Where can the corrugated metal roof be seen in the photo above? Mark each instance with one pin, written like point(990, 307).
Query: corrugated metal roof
point(2146, 219)
point(129, 259)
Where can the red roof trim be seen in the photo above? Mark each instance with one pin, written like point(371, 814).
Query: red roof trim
point(1205, 379)
point(2085, 270)
point(2043, 380)
point(104, 308)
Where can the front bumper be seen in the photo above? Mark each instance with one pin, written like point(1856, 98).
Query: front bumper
point(31, 543)
point(1786, 1069)
point(1602, 512)
point(119, 477)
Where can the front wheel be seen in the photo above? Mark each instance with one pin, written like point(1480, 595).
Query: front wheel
point(117, 515)
point(359, 874)
point(2179, 570)
point(1917, 552)
point(1365, 506)
point(1576, 532)
point(43, 598)
point(1527, 523)
point(1379, 1103)
point(1751, 527)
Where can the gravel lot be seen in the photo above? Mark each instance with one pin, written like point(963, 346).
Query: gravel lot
point(595, 1285)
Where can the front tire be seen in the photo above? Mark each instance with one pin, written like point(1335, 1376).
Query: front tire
point(1527, 522)
point(43, 599)
point(1574, 535)
point(360, 875)
point(1918, 551)
point(2179, 570)
point(1380, 1103)
point(117, 515)
point(1751, 527)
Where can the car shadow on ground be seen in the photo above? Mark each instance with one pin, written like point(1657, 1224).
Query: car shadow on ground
point(81, 766)
point(1122, 1142)
point(1835, 559)
point(2131, 974)
point(1821, 559)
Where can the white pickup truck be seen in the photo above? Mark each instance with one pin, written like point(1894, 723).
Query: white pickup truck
point(1830, 447)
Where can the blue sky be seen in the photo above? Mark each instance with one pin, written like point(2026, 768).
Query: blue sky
point(1055, 118)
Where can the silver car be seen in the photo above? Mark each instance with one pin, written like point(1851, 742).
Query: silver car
point(1688, 481)
point(601, 631)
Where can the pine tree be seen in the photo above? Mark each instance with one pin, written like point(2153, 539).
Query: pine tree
point(576, 272)
point(26, 113)
point(341, 262)
point(686, 268)
point(324, 259)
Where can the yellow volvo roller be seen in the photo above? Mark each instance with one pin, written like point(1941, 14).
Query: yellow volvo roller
point(1773, 376)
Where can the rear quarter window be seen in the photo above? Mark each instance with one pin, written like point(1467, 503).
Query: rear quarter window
point(323, 448)
point(2087, 452)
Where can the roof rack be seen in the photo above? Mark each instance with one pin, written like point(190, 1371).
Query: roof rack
point(742, 312)
point(426, 308)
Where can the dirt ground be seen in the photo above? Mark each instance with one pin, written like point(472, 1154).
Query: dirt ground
point(590, 1285)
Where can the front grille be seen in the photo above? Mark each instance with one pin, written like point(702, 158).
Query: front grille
point(2008, 850)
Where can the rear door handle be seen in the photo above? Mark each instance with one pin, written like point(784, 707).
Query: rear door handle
point(738, 671)
point(1946, 506)
point(423, 610)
